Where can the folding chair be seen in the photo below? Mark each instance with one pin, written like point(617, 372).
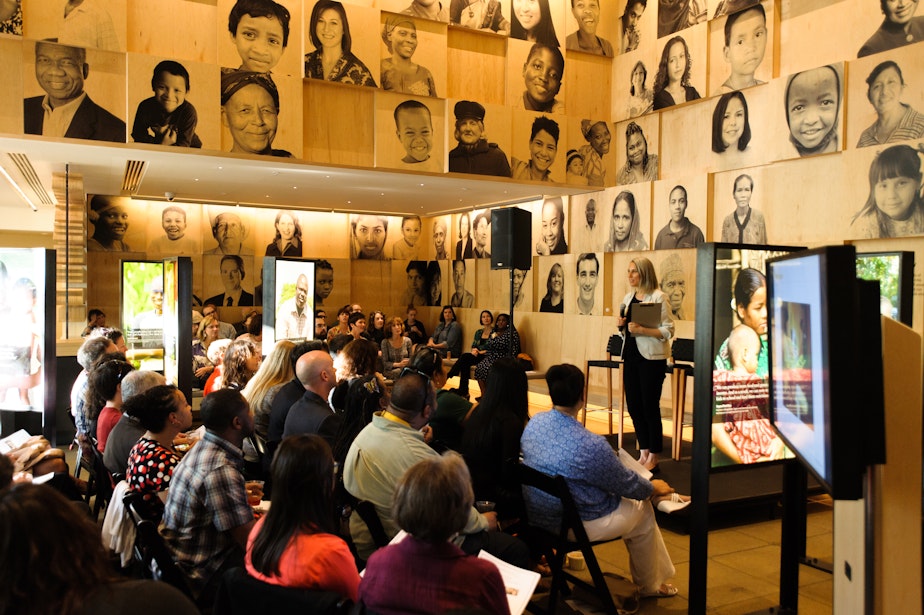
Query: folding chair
point(151, 548)
point(242, 594)
point(680, 369)
point(613, 349)
point(570, 537)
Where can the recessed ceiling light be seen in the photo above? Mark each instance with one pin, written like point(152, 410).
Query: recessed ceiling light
point(275, 172)
point(196, 179)
point(381, 194)
point(349, 202)
point(327, 177)
point(267, 196)
point(220, 168)
point(421, 185)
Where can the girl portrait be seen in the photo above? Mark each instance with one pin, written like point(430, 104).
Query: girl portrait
point(813, 103)
point(532, 20)
point(895, 205)
point(672, 83)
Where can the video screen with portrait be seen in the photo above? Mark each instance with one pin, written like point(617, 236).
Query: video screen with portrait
point(293, 298)
point(27, 348)
point(143, 313)
point(177, 323)
point(740, 424)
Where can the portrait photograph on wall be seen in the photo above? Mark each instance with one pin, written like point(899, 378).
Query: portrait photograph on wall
point(12, 73)
point(681, 74)
point(551, 290)
point(438, 237)
point(741, 47)
point(370, 238)
point(142, 313)
point(740, 136)
point(93, 24)
point(676, 16)
point(538, 21)
point(261, 114)
point(409, 244)
point(538, 152)
point(173, 228)
point(584, 278)
point(463, 284)
point(413, 56)
point(676, 270)
point(591, 28)
point(535, 74)
point(410, 133)
point(628, 222)
point(155, 30)
point(24, 350)
point(331, 284)
point(740, 201)
point(637, 25)
point(522, 289)
point(116, 224)
point(228, 280)
point(461, 233)
point(481, 233)
point(339, 45)
point(633, 84)
point(636, 149)
point(885, 105)
point(481, 138)
point(171, 102)
point(230, 230)
point(419, 9)
point(550, 226)
point(11, 18)
point(436, 281)
point(813, 104)
point(95, 78)
point(679, 212)
point(590, 158)
point(587, 221)
point(279, 232)
point(409, 283)
point(265, 40)
point(295, 304)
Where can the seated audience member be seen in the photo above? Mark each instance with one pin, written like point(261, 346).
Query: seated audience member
point(377, 330)
point(216, 354)
point(611, 499)
point(365, 395)
point(164, 413)
point(225, 329)
point(425, 572)
point(357, 325)
point(254, 333)
point(116, 335)
point(396, 348)
point(343, 323)
point(207, 518)
point(448, 418)
point(504, 342)
point(261, 390)
point(207, 334)
point(312, 413)
point(95, 318)
point(491, 442)
point(241, 362)
point(463, 366)
point(104, 397)
point(391, 444)
point(87, 355)
point(357, 359)
point(447, 337)
point(39, 526)
point(414, 328)
point(128, 429)
point(296, 543)
point(288, 394)
point(320, 325)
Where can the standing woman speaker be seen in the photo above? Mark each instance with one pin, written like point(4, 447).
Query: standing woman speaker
point(644, 354)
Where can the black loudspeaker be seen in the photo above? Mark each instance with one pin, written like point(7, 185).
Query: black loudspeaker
point(510, 238)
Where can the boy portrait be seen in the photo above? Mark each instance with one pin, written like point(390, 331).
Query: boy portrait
point(258, 33)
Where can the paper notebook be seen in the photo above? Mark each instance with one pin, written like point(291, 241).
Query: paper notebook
point(646, 314)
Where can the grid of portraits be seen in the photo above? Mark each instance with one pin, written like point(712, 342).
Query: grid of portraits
point(742, 103)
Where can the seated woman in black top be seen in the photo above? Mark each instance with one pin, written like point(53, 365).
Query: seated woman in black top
point(463, 366)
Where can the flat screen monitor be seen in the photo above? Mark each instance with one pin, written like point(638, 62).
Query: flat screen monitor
point(815, 361)
point(27, 346)
point(288, 299)
point(895, 273)
point(177, 323)
point(143, 313)
point(731, 345)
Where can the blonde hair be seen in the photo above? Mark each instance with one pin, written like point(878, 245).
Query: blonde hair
point(276, 369)
point(648, 279)
point(206, 321)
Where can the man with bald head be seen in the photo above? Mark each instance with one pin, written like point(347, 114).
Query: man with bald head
point(294, 318)
point(312, 414)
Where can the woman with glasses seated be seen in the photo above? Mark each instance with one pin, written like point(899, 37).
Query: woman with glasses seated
point(296, 543)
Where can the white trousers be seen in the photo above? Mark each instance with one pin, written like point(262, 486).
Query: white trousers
point(634, 520)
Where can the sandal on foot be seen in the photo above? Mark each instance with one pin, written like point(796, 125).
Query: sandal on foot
point(665, 591)
point(673, 503)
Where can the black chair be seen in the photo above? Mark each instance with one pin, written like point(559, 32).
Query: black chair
point(570, 537)
point(366, 511)
point(613, 349)
point(680, 368)
point(241, 594)
point(150, 548)
point(103, 483)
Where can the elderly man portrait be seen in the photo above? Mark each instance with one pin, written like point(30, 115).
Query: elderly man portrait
point(294, 318)
point(474, 154)
point(66, 110)
point(229, 231)
point(232, 274)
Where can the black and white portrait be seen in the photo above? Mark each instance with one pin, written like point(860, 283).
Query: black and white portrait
point(178, 232)
point(900, 26)
point(535, 155)
point(368, 234)
point(97, 24)
point(677, 15)
point(675, 79)
point(813, 102)
point(628, 221)
point(740, 43)
point(323, 281)
point(476, 151)
point(227, 277)
point(230, 230)
point(549, 227)
point(486, 15)
point(442, 239)
point(334, 57)
point(111, 218)
point(631, 26)
point(679, 232)
point(537, 21)
point(672, 275)
point(587, 218)
point(542, 68)
point(896, 118)
point(463, 279)
point(400, 71)
point(409, 134)
point(745, 224)
point(11, 17)
point(481, 234)
point(587, 274)
point(553, 294)
point(257, 34)
point(251, 112)
point(894, 206)
point(591, 33)
point(61, 74)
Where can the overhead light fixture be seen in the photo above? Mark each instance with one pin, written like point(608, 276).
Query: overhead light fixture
point(18, 189)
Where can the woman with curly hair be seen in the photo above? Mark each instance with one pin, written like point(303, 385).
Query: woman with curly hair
point(240, 364)
point(672, 84)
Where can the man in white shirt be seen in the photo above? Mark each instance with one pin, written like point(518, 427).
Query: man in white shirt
point(294, 319)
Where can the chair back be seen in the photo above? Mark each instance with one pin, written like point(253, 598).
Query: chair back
point(614, 346)
point(682, 349)
point(366, 511)
point(150, 548)
point(242, 594)
point(103, 482)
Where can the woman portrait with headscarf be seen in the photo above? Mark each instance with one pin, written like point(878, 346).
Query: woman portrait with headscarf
point(399, 72)
point(598, 139)
point(250, 111)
